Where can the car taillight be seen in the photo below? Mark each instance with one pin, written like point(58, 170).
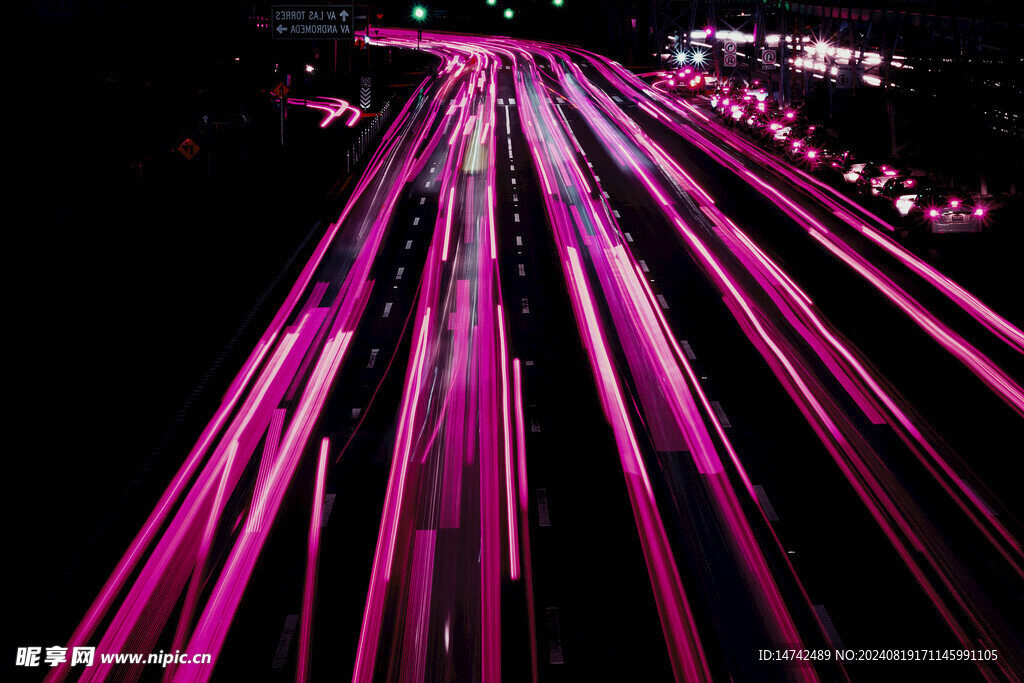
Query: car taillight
point(934, 213)
point(979, 211)
point(955, 203)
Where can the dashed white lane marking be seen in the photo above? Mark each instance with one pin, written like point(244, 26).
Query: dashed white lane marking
point(519, 240)
point(508, 125)
point(661, 300)
point(617, 99)
point(398, 275)
point(501, 101)
point(721, 414)
point(616, 213)
point(423, 200)
point(416, 221)
point(766, 505)
point(554, 637)
point(511, 167)
point(325, 511)
point(511, 100)
point(629, 238)
point(387, 310)
point(426, 184)
point(830, 628)
point(687, 349)
point(605, 193)
point(373, 358)
point(522, 270)
point(973, 495)
point(597, 178)
point(516, 217)
point(432, 170)
point(643, 266)
point(543, 516)
point(408, 244)
point(356, 412)
point(284, 643)
point(526, 305)
point(513, 181)
point(515, 197)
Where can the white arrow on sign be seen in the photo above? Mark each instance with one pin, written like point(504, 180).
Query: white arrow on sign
point(344, 15)
point(281, 29)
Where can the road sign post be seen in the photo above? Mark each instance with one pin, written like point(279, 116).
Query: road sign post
point(188, 148)
point(312, 22)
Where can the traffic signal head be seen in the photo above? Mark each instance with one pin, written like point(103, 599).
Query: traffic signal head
point(509, 13)
point(419, 13)
point(557, 3)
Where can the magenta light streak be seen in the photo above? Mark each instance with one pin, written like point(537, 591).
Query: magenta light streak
point(414, 642)
point(758, 333)
point(199, 571)
point(242, 381)
point(334, 107)
point(982, 366)
point(524, 513)
point(510, 498)
point(448, 224)
point(269, 453)
point(900, 421)
point(312, 557)
point(158, 517)
point(369, 635)
point(165, 571)
point(213, 625)
point(685, 651)
point(832, 198)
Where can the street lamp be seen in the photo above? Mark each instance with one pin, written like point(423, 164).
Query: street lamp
point(419, 13)
point(509, 13)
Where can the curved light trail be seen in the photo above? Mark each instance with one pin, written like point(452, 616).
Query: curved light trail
point(452, 577)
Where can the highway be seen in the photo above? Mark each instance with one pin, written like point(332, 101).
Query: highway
point(582, 385)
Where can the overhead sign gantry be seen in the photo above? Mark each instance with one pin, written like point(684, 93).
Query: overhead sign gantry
point(312, 22)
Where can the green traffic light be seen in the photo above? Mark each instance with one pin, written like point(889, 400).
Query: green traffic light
point(509, 13)
point(419, 13)
point(557, 3)
point(492, 3)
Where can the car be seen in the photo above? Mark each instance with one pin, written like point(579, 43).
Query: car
point(735, 111)
point(950, 211)
point(805, 140)
point(773, 132)
point(873, 175)
point(902, 191)
point(834, 157)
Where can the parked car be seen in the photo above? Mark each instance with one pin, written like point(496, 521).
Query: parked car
point(873, 175)
point(949, 210)
point(902, 191)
